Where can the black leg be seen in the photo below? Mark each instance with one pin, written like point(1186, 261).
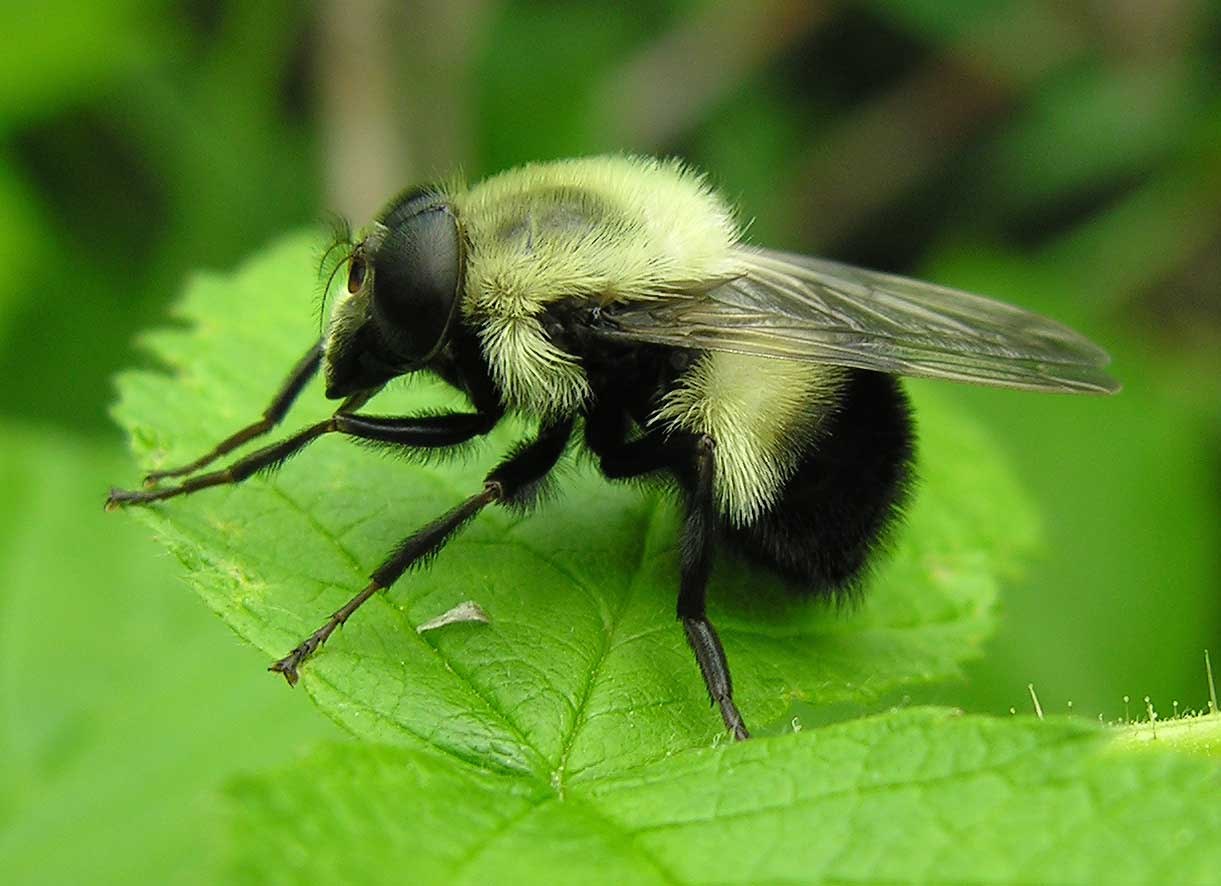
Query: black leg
point(698, 532)
point(421, 432)
point(422, 544)
point(513, 482)
point(606, 432)
point(417, 432)
point(306, 368)
point(652, 452)
point(693, 460)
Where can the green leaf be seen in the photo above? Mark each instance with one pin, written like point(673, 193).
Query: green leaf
point(122, 705)
point(1194, 732)
point(913, 796)
point(1103, 470)
point(583, 670)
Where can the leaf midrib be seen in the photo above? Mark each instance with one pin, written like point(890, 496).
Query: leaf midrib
point(580, 717)
point(538, 761)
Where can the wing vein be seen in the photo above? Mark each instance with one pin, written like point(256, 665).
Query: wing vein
point(793, 307)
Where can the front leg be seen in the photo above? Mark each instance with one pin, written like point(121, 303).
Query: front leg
point(514, 483)
point(415, 432)
point(305, 369)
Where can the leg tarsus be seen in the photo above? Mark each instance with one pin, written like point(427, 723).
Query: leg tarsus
point(304, 370)
point(267, 457)
point(288, 664)
point(715, 669)
point(245, 435)
point(699, 531)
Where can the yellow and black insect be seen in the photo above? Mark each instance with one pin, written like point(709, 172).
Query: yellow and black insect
point(615, 294)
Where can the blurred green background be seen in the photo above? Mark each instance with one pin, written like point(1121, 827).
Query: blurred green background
point(1063, 156)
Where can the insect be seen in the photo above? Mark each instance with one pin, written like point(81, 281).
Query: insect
point(614, 298)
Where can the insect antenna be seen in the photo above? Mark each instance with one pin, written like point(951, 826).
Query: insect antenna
point(333, 257)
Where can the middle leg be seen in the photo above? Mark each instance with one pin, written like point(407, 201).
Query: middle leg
point(514, 482)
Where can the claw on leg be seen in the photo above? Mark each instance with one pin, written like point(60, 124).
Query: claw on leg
point(289, 664)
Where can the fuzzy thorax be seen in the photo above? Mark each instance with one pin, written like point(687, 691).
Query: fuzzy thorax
point(608, 229)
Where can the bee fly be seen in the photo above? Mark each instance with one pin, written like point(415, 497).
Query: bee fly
point(614, 295)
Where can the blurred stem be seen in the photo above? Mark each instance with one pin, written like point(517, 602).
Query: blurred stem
point(366, 156)
point(669, 86)
point(435, 81)
point(899, 139)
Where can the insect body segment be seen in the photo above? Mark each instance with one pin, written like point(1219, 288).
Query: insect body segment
point(764, 414)
point(611, 298)
point(604, 230)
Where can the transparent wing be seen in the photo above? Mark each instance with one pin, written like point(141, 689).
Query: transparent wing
point(794, 307)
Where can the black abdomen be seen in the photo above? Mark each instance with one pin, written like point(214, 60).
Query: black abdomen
point(837, 509)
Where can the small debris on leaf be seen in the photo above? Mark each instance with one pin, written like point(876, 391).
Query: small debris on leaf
point(467, 610)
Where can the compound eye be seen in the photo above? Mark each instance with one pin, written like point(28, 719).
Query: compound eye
point(356, 272)
point(417, 271)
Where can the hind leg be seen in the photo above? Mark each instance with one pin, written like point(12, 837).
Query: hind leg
point(692, 458)
point(698, 531)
